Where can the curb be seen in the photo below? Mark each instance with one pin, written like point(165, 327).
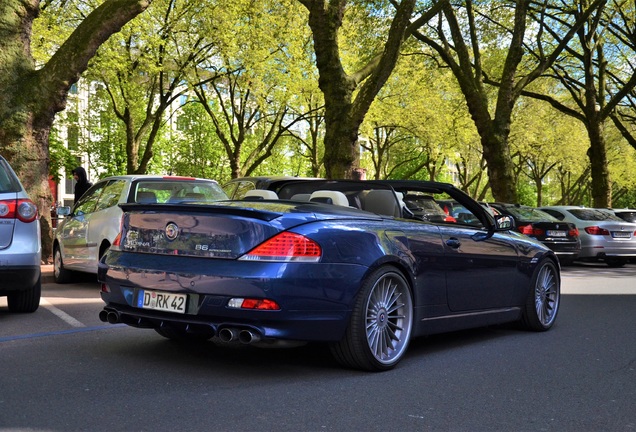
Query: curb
point(47, 274)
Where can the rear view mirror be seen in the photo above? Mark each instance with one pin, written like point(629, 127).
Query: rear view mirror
point(504, 223)
point(63, 211)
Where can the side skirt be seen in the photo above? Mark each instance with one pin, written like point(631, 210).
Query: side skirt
point(466, 320)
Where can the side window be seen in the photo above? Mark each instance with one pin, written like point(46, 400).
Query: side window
point(110, 195)
point(555, 213)
point(88, 202)
point(229, 189)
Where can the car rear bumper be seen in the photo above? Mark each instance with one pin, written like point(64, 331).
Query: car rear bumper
point(564, 249)
point(15, 278)
point(315, 299)
point(600, 252)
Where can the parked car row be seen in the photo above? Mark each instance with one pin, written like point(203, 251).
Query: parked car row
point(604, 235)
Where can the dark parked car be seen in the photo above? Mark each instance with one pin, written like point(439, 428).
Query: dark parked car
point(20, 244)
point(347, 267)
point(560, 236)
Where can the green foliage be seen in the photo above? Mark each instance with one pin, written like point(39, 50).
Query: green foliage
point(418, 127)
point(194, 149)
point(62, 161)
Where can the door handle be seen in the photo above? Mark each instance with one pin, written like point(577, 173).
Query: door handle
point(453, 243)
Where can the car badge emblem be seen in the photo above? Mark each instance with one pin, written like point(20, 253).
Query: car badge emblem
point(172, 231)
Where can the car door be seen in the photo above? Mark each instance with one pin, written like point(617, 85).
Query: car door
point(73, 234)
point(480, 274)
point(104, 222)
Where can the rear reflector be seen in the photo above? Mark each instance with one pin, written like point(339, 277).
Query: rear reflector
point(247, 303)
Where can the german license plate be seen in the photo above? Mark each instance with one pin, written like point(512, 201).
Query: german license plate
point(621, 234)
point(163, 301)
point(554, 233)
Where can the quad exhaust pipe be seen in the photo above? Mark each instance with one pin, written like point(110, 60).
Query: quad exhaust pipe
point(226, 334)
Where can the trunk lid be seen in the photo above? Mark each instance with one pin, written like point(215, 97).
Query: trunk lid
point(220, 230)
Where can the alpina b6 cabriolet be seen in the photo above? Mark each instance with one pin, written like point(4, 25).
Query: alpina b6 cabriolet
point(350, 263)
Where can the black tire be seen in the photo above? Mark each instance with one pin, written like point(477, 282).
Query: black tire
point(544, 297)
point(381, 323)
point(60, 274)
point(615, 262)
point(26, 301)
point(182, 336)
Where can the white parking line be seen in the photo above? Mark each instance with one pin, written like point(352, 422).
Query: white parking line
point(61, 314)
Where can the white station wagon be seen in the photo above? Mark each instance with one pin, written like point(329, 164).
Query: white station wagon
point(89, 228)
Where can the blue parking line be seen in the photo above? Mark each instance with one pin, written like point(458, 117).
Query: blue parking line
point(59, 332)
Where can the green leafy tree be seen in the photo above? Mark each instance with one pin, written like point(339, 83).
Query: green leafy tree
point(251, 95)
point(465, 35)
point(143, 70)
point(32, 94)
point(598, 72)
point(348, 95)
point(543, 141)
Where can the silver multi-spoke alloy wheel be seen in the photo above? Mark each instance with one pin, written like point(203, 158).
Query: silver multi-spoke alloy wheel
point(389, 318)
point(542, 304)
point(381, 323)
point(546, 295)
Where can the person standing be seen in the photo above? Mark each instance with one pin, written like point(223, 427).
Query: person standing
point(82, 184)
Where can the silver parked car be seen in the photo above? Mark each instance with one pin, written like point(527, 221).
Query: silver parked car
point(603, 235)
point(89, 228)
point(20, 244)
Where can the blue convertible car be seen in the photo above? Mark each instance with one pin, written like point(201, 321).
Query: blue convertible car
point(355, 264)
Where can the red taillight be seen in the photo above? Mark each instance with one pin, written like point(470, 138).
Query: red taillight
point(574, 232)
point(22, 209)
point(286, 246)
point(117, 241)
point(594, 230)
point(530, 231)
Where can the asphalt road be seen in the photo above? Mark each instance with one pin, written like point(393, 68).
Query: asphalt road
point(64, 370)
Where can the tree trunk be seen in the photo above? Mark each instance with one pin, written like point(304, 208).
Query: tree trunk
point(601, 184)
point(343, 115)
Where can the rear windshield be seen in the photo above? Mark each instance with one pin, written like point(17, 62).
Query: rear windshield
point(628, 216)
point(594, 215)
